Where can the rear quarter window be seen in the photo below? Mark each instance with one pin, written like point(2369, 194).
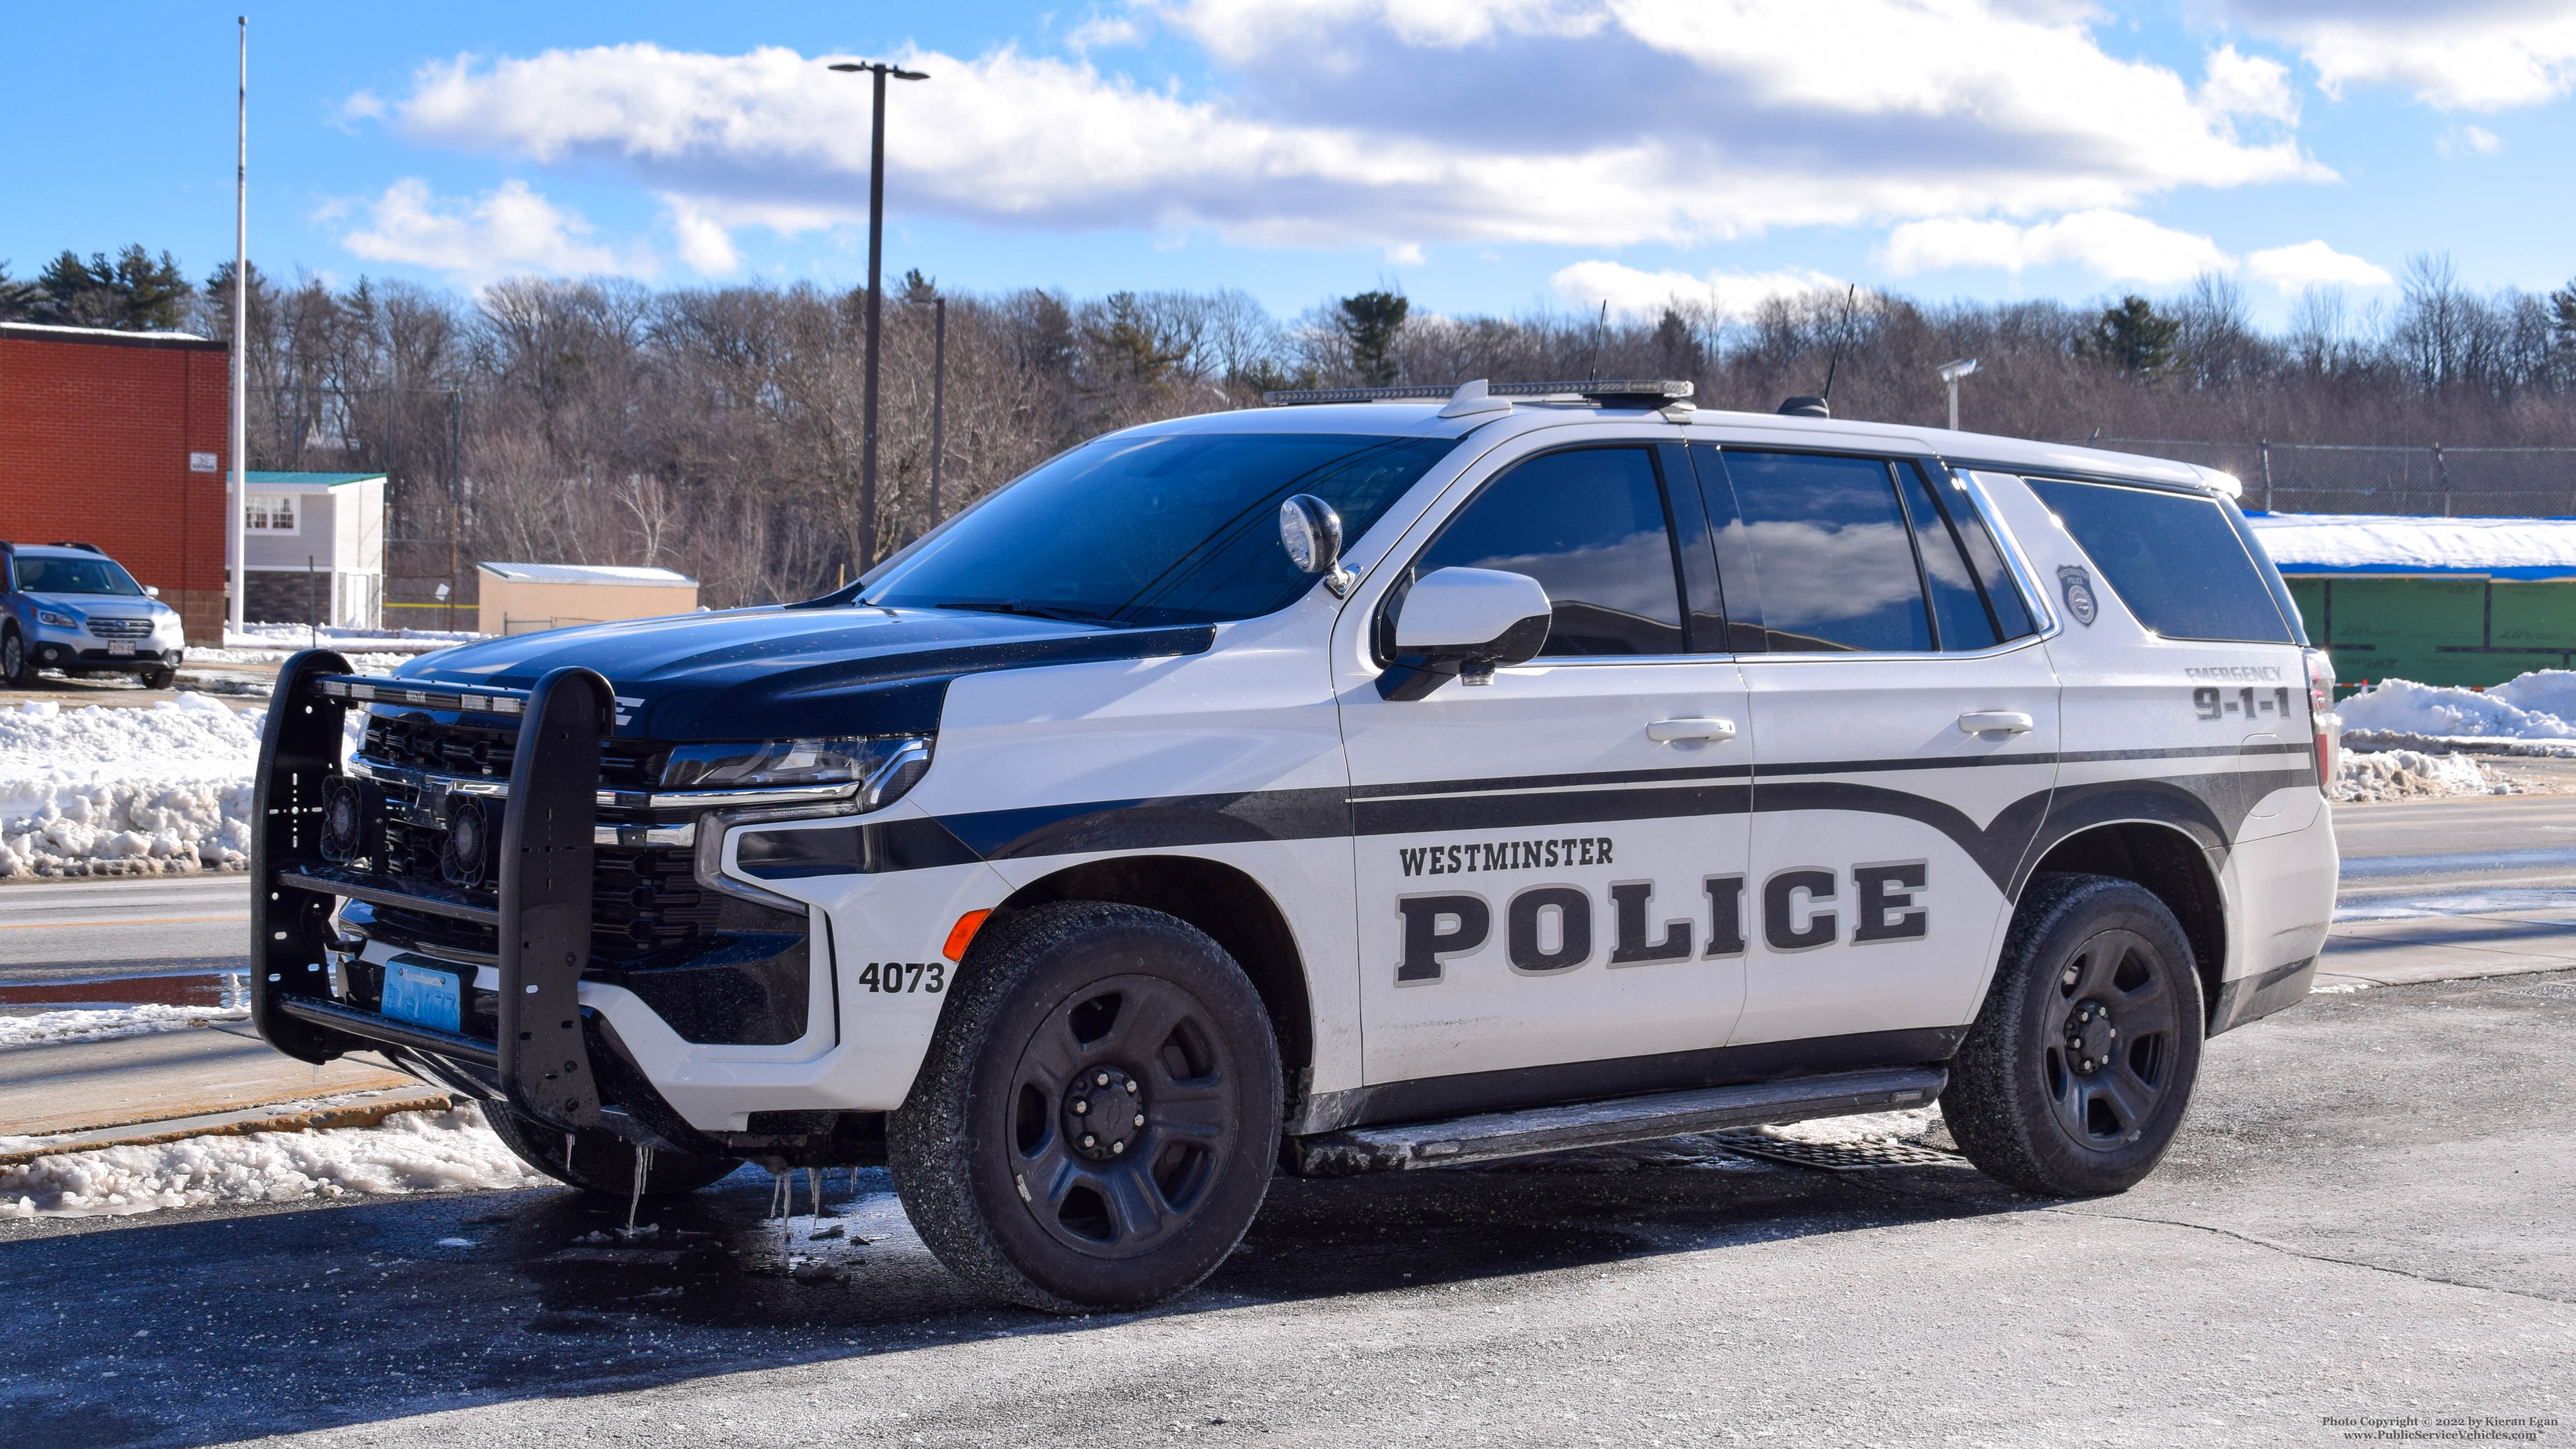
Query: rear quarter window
point(2175, 559)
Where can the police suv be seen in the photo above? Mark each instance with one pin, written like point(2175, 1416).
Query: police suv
point(1397, 780)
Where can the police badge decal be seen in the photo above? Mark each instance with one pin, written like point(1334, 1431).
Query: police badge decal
point(2077, 586)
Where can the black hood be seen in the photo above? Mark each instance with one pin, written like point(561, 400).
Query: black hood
point(793, 672)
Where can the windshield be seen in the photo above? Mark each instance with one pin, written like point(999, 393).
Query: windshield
point(38, 575)
point(1178, 529)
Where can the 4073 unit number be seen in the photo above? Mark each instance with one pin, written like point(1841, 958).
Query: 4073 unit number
point(928, 976)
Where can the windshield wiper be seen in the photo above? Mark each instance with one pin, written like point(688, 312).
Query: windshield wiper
point(1025, 607)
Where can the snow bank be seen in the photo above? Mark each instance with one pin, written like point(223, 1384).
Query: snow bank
point(2401, 706)
point(2409, 775)
point(108, 1023)
point(291, 637)
point(98, 791)
point(2505, 548)
point(409, 1152)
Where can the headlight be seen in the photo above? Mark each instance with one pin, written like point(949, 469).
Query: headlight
point(59, 621)
point(887, 764)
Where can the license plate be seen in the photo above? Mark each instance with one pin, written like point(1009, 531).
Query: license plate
point(422, 997)
point(124, 647)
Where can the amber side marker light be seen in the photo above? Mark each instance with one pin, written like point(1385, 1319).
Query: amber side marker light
point(962, 935)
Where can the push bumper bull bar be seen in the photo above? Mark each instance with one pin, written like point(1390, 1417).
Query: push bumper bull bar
point(544, 874)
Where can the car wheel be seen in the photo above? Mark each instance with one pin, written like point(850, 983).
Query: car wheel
point(1098, 1117)
point(16, 670)
point(2075, 1076)
point(160, 678)
point(598, 1161)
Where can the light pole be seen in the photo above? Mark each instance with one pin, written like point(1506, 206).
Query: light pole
point(236, 547)
point(876, 288)
point(1951, 372)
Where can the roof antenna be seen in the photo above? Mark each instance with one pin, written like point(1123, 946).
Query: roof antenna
point(1592, 373)
point(1842, 335)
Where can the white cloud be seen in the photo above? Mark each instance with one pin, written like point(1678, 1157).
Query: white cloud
point(1401, 123)
point(704, 243)
point(1103, 32)
point(2249, 85)
point(1631, 291)
point(2476, 55)
point(2476, 140)
point(2313, 264)
point(507, 229)
point(2111, 244)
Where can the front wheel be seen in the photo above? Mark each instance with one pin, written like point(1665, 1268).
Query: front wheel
point(2074, 1079)
point(16, 669)
point(161, 678)
point(1098, 1116)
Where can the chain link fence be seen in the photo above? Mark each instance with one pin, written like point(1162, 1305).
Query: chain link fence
point(2364, 478)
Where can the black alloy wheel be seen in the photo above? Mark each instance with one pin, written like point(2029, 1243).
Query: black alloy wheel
point(1097, 1120)
point(15, 669)
point(2075, 1077)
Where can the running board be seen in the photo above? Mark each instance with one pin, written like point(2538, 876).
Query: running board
point(1493, 1136)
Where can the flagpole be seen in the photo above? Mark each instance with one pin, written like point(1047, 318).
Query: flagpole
point(238, 503)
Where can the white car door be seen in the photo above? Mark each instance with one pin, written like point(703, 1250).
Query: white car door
point(1908, 724)
point(1550, 867)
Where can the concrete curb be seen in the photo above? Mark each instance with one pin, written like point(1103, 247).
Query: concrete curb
point(365, 1110)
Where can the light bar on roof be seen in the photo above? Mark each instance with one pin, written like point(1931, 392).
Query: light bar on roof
point(1661, 389)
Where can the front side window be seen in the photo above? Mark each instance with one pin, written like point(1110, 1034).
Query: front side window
point(1830, 551)
point(1175, 529)
point(39, 575)
point(2174, 558)
point(1589, 525)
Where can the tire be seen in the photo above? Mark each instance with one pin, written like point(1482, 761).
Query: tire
point(601, 1162)
point(1115, 1007)
point(17, 669)
point(160, 678)
point(2077, 1073)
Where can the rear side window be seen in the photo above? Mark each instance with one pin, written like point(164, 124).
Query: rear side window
point(2174, 558)
point(1958, 605)
point(1589, 525)
point(1830, 550)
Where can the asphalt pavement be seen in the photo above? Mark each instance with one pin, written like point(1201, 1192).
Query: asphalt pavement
point(74, 930)
point(2366, 1219)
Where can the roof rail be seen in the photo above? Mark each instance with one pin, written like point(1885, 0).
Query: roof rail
point(84, 547)
point(1630, 391)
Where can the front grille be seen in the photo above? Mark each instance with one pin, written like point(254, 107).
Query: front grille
point(120, 628)
point(645, 901)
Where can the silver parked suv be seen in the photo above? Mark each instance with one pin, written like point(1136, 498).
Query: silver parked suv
point(70, 607)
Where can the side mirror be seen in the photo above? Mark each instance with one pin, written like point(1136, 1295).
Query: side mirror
point(1312, 533)
point(1464, 622)
point(152, 591)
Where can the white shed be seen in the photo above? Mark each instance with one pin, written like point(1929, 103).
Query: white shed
point(315, 546)
point(523, 598)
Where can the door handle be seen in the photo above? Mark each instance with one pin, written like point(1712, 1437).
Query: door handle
point(1995, 721)
point(1665, 731)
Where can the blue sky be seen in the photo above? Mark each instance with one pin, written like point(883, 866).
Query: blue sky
point(1480, 156)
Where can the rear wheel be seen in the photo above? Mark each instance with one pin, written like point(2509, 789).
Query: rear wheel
point(2075, 1077)
point(600, 1162)
point(1098, 1117)
point(16, 669)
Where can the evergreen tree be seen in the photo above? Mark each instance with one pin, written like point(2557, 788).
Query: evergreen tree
point(1370, 322)
point(136, 292)
point(17, 299)
point(1677, 346)
point(2134, 337)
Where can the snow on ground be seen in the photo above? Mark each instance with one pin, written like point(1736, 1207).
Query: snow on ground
point(2526, 708)
point(2368, 778)
point(291, 637)
point(408, 1152)
point(94, 791)
point(48, 1028)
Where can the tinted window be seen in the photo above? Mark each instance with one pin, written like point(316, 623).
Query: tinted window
point(2012, 612)
point(2173, 558)
point(1958, 605)
point(1177, 529)
point(1830, 552)
point(1589, 526)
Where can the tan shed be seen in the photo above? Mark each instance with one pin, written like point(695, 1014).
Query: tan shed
point(520, 598)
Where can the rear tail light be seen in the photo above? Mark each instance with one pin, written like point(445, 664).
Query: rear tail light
point(2321, 716)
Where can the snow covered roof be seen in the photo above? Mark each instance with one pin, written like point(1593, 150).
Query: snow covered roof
point(2377, 543)
point(536, 573)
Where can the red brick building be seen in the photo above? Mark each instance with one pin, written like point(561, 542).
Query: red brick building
point(118, 439)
